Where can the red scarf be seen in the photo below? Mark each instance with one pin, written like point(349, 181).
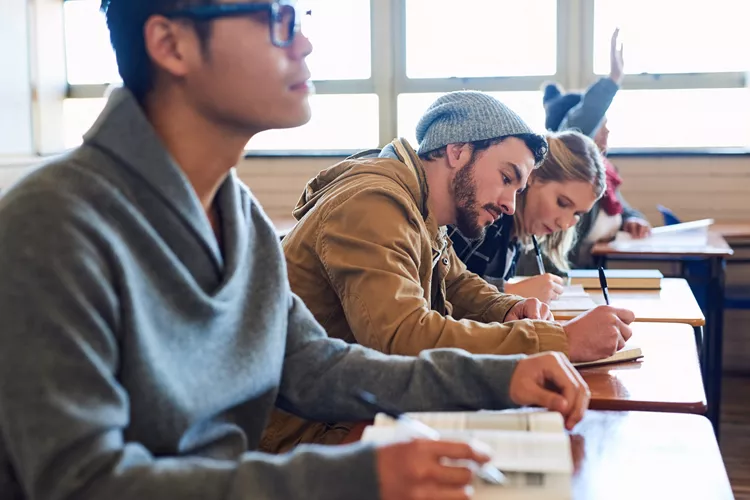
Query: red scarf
point(609, 202)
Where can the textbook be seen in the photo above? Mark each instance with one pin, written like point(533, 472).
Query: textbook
point(625, 354)
point(618, 278)
point(530, 446)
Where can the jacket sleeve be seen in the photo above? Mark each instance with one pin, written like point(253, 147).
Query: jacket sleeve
point(369, 245)
point(589, 113)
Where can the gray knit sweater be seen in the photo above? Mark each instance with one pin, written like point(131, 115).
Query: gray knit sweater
point(139, 361)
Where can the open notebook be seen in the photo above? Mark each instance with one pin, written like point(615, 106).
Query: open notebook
point(626, 354)
point(530, 447)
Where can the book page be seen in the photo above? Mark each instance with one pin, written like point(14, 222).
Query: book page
point(512, 451)
point(510, 420)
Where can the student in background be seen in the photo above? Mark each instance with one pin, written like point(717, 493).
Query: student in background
point(566, 185)
point(587, 113)
point(148, 326)
point(371, 258)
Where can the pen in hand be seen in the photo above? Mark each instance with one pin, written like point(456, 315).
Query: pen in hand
point(603, 283)
point(416, 429)
point(539, 261)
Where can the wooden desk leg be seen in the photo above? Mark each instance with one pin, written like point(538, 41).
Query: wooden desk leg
point(715, 340)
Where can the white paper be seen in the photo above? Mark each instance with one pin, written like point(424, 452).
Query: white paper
point(573, 298)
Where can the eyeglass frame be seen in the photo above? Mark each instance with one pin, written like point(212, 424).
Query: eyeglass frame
point(218, 11)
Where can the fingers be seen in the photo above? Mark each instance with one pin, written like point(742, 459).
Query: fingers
point(620, 343)
point(581, 404)
point(555, 279)
point(454, 450)
point(625, 315)
point(625, 331)
point(532, 308)
point(545, 313)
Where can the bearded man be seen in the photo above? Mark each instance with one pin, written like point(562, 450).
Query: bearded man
point(371, 258)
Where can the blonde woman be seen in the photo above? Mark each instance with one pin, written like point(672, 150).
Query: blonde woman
point(566, 186)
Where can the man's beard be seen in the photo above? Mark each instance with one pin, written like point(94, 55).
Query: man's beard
point(465, 195)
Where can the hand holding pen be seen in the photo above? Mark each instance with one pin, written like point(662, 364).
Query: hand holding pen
point(464, 458)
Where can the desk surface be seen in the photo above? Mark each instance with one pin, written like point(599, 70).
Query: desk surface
point(626, 455)
point(666, 379)
point(650, 456)
point(716, 246)
point(673, 303)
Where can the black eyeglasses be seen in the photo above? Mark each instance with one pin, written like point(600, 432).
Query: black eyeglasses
point(284, 17)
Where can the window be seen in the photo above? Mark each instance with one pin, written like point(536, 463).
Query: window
point(480, 38)
point(339, 30)
point(88, 53)
point(348, 122)
point(680, 118)
point(686, 64)
point(377, 66)
point(674, 36)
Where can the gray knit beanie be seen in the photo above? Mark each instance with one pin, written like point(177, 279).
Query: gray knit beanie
point(466, 116)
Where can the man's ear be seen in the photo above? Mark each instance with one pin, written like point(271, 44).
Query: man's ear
point(458, 155)
point(170, 45)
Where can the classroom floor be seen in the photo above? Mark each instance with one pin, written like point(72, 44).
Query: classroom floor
point(735, 433)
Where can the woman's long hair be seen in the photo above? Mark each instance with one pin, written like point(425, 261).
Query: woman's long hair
point(572, 157)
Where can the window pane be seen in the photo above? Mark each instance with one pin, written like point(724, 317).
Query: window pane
point(674, 36)
point(339, 31)
point(331, 126)
point(339, 122)
point(480, 38)
point(78, 117)
point(89, 55)
point(684, 118)
point(411, 107)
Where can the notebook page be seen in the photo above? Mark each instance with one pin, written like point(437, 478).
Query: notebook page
point(626, 354)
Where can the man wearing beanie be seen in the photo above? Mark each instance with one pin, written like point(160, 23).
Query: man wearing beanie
point(371, 258)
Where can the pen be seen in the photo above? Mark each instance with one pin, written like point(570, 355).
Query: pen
point(486, 472)
point(539, 261)
point(603, 283)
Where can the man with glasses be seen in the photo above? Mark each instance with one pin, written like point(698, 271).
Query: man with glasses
point(148, 326)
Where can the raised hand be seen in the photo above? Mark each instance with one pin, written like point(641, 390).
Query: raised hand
point(616, 61)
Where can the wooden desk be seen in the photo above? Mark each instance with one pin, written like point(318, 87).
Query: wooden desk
point(673, 303)
point(716, 246)
point(715, 253)
point(667, 378)
point(644, 455)
point(627, 455)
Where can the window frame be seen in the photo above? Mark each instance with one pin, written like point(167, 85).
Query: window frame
point(575, 69)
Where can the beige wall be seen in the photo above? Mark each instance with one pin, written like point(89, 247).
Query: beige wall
point(694, 188)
